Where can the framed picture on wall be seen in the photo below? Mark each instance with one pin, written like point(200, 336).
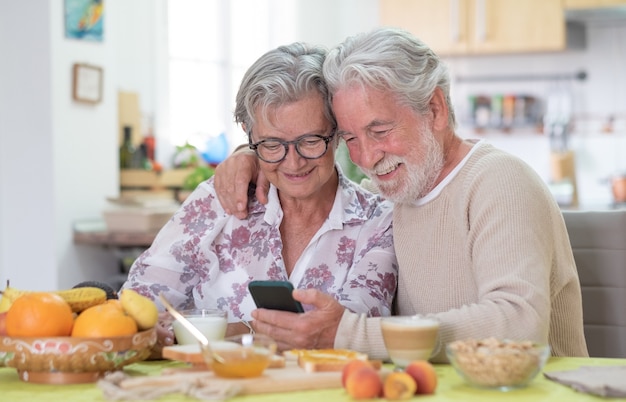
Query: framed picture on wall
point(84, 19)
point(87, 83)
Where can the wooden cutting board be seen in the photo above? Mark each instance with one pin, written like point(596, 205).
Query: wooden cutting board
point(184, 353)
point(289, 377)
point(191, 354)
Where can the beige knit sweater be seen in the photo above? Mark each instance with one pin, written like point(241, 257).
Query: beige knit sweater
point(487, 253)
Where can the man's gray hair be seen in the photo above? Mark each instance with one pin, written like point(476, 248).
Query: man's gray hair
point(390, 59)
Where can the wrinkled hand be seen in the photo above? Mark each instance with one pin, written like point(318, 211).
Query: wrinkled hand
point(165, 335)
point(232, 178)
point(314, 329)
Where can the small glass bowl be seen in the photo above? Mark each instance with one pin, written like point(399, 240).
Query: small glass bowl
point(241, 356)
point(494, 364)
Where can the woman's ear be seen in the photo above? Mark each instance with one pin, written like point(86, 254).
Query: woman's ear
point(439, 109)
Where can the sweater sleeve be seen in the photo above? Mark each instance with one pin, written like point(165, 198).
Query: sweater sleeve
point(360, 333)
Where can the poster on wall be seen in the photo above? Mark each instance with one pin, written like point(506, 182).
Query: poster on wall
point(84, 19)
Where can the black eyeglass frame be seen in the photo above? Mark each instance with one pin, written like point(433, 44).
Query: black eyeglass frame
point(285, 144)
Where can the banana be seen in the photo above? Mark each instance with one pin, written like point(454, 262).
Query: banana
point(143, 310)
point(79, 299)
point(111, 293)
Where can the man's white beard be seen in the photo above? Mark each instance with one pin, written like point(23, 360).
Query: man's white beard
point(421, 173)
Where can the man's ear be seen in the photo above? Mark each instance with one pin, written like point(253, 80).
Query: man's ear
point(439, 109)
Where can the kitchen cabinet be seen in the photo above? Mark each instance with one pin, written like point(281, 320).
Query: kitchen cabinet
point(461, 27)
point(582, 4)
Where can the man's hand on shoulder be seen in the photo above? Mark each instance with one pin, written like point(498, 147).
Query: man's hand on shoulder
point(232, 179)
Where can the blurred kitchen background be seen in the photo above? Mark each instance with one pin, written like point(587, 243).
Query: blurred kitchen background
point(543, 79)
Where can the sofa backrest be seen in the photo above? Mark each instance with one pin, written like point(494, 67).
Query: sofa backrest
point(598, 240)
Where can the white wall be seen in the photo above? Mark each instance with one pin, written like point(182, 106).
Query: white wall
point(58, 158)
point(26, 160)
point(84, 147)
point(328, 22)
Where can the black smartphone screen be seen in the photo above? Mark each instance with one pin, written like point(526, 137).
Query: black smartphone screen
point(275, 295)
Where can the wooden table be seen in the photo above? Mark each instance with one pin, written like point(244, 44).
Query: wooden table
point(451, 387)
point(95, 233)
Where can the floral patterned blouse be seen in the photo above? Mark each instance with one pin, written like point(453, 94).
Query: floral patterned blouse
point(205, 258)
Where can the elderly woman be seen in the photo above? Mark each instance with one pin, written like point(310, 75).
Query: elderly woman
point(318, 230)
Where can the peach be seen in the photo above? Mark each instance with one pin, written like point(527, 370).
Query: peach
point(364, 383)
point(399, 385)
point(351, 367)
point(424, 375)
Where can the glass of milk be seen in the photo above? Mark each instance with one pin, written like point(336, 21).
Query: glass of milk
point(211, 322)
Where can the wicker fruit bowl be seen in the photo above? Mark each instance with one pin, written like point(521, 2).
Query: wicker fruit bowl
point(73, 360)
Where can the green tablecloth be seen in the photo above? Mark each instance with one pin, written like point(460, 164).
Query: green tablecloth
point(451, 387)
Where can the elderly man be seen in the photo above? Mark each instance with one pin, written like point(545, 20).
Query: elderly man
point(481, 243)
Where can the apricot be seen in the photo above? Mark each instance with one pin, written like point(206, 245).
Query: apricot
point(351, 367)
point(364, 383)
point(424, 375)
point(399, 385)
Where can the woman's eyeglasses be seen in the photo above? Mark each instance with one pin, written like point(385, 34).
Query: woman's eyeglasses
point(311, 146)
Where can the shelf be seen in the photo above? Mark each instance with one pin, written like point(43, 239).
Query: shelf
point(146, 179)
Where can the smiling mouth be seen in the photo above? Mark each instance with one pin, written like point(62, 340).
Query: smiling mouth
point(386, 170)
point(308, 172)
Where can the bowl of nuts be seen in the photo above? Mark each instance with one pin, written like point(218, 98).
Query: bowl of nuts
point(497, 364)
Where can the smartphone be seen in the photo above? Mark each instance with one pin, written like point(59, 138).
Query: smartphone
point(275, 295)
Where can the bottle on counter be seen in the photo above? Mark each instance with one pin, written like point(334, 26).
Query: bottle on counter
point(140, 159)
point(127, 150)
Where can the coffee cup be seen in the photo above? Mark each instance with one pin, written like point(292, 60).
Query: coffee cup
point(211, 322)
point(409, 338)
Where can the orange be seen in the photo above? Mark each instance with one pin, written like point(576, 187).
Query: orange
point(39, 314)
point(115, 302)
point(104, 320)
